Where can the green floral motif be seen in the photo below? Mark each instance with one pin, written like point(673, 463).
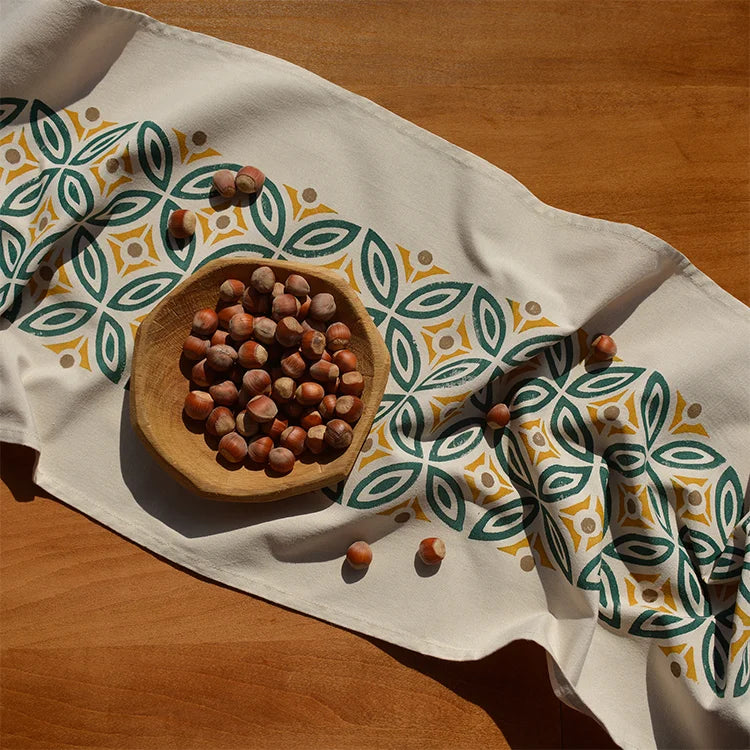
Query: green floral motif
point(606, 479)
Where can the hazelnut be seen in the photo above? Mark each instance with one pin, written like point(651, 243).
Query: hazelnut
point(297, 285)
point(359, 555)
point(310, 418)
point(265, 331)
point(327, 356)
point(313, 344)
point(603, 348)
point(352, 384)
point(275, 428)
point(293, 438)
point(315, 441)
point(198, 405)
point(288, 332)
point(202, 374)
point(322, 307)
point(221, 337)
point(498, 416)
point(281, 460)
point(283, 390)
point(327, 407)
point(205, 322)
point(249, 180)
point(246, 426)
point(227, 313)
point(339, 434)
point(285, 305)
point(278, 290)
point(231, 290)
point(224, 393)
point(338, 336)
point(220, 422)
point(349, 408)
point(332, 386)
point(293, 365)
point(224, 183)
point(194, 348)
point(263, 279)
point(432, 550)
point(252, 355)
point(259, 448)
point(346, 360)
point(262, 408)
point(233, 447)
point(221, 357)
point(304, 308)
point(257, 382)
point(324, 371)
point(181, 224)
point(255, 302)
point(241, 326)
point(293, 410)
point(309, 393)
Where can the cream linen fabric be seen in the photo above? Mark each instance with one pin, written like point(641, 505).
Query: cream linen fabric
point(608, 523)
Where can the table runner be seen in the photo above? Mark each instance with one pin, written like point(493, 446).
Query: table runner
point(608, 523)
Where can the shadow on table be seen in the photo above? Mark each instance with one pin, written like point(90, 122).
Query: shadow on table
point(512, 687)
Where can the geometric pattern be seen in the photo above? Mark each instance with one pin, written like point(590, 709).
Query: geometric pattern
point(605, 477)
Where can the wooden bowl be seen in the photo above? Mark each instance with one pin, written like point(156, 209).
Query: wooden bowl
point(158, 387)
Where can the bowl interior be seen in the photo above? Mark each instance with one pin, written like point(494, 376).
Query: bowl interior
point(159, 384)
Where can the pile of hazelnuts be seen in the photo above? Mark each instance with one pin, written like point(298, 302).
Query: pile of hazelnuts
point(274, 376)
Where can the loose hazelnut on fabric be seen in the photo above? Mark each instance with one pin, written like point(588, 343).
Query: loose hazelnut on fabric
point(181, 224)
point(249, 180)
point(233, 447)
point(293, 438)
point(338, 336)
point(221, 357)
point(262, 408)
point(198, 405)
point(432, 550)
point(297, 285)
point(252, 355)
point(205, 322)
point(263, 279)
point(224, 183)
point(195, 348)
point(241, 326)
point(315, 441)
point(352, 384)
point(359, 555)
point(339, 434)
point(322, 306)
point(603, 348)
point(345, 360)
point(231, 290)
point(259, 448)
point(498, 416)
point(281, 460)
point(220, 422)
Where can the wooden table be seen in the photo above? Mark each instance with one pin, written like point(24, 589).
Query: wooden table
point(631, 110)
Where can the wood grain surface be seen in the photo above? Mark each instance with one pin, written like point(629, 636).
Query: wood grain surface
point(631, 110)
